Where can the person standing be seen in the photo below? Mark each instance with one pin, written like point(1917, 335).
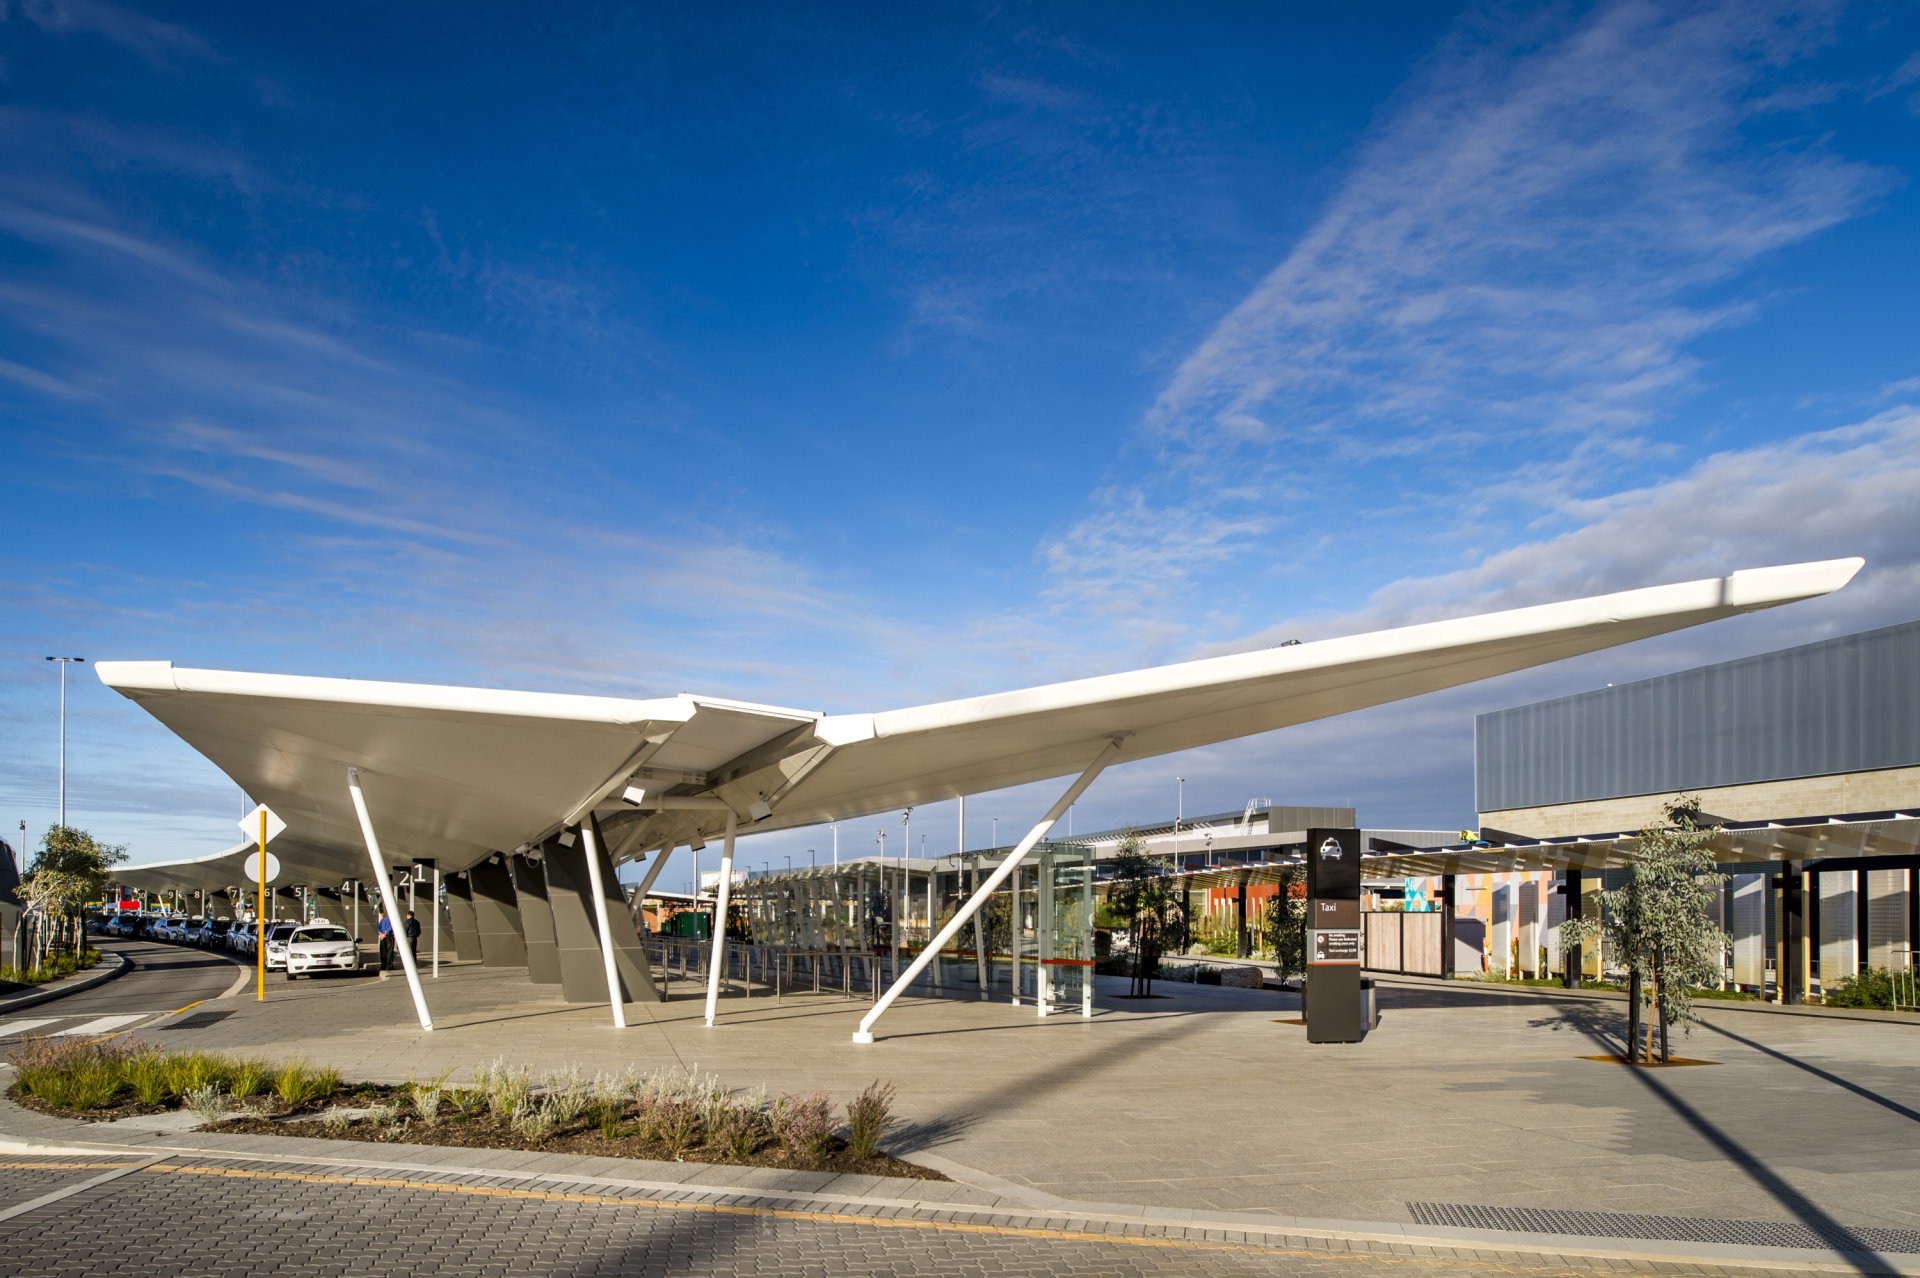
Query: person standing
point(413, 937)
point(386, 943)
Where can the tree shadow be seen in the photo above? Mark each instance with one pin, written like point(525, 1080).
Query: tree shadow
point(1598, 1021)
point(925, 1133)
point(1864, 1093)
point(1606, 1029)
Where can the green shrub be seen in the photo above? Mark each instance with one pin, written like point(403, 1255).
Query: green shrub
point(739, 1126)
point(71, 1076)
point(533, 1121)
point(146, 1074)
point(505, 1088)
point(869, 1115)
point(207, 1102)
point(53, 969)
point(804, 1126)
point(1873, 987)
point(607, 1118)
point(298, 1084)
point(190, 1071)
point(248, 1077)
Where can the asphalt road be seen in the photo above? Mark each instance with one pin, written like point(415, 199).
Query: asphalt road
point(164, 979)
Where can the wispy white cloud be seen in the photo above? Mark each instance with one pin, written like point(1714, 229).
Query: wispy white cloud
point(1826, 494)
point(1514, 274)
point(160, 43)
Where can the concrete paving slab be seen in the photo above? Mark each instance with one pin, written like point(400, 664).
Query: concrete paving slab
point(1200, 1102)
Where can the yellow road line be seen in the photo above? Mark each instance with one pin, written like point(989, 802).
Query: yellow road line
point(840, 1218)
point(163, 1016)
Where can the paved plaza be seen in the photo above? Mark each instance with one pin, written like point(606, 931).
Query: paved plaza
point(1471, 1113)
point(1211, 1098)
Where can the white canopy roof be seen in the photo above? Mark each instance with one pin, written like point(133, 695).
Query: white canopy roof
point(457, 773)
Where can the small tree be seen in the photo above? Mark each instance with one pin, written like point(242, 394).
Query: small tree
point(1661, 921)
point(1287, 923)
point(69, 870)
point(1146, 897)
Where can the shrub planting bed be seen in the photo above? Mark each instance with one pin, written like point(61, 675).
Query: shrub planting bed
point(13, 979)
point(672, 1115)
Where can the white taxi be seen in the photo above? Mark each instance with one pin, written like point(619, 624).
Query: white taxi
point(321, 947)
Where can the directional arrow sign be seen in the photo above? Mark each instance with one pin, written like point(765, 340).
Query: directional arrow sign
point(250, 824)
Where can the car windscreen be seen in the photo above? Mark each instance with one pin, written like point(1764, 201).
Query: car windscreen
point(279, 931)
point(322, 934)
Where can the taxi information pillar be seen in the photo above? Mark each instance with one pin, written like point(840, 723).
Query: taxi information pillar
point(1332, 998)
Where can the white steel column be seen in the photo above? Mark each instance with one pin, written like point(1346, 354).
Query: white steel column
point(384, 877)
point(722, 891)
point(599, 886)
point(865, 1033)
point(1013, 937)
point(436, 919)
point(980, 965)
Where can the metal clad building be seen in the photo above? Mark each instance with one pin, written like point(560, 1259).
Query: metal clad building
point(1840, 706)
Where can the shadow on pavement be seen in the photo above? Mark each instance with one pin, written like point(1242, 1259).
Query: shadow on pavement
point(1605, 1029)
point(1863, 1092)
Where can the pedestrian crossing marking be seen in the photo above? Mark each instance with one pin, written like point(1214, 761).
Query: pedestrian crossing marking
point(104, 1024)
point(9, 1029)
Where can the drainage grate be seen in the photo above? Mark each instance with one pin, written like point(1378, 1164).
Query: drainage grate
point(199, 1020)
point(1608, 1224)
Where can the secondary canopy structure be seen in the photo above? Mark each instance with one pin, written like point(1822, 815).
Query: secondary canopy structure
point(459, 774)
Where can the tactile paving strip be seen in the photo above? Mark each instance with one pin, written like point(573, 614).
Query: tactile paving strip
point(1607, 1224)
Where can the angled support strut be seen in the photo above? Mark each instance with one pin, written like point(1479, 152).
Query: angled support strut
point(384, 877)
point(986, 890)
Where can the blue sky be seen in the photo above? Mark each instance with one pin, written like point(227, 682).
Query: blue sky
point(847, 357)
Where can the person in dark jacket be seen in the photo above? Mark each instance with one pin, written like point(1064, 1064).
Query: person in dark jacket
point(413, 936)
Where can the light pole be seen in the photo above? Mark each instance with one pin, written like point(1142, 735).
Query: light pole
point(996, 832)
point(64, 662)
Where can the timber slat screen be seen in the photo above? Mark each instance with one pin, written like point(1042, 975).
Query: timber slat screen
point(1407, 944)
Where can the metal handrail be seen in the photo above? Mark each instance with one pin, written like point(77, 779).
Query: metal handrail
point(1906, 988)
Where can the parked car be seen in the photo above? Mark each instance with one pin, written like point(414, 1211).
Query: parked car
point(321, 947)
point(276, 942)
point(240, 938)
point(213, 933)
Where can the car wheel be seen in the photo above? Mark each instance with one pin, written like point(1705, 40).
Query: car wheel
point(290, 974)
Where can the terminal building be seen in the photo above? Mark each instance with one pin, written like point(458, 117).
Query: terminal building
point(1809, 757)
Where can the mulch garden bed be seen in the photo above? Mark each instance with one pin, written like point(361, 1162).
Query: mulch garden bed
point(582, 1138)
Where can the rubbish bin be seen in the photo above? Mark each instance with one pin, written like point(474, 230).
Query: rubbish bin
point(1369, 1006)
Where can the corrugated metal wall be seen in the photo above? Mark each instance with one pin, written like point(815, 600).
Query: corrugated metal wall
point(1843, 705)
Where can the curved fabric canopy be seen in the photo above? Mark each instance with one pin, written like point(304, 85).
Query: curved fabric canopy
point(457, 773)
